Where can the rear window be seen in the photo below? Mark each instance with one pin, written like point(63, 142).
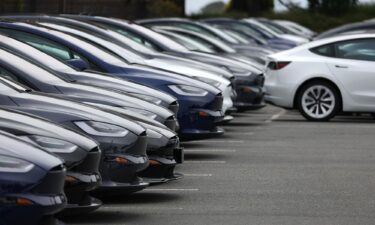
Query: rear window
point(325, 50)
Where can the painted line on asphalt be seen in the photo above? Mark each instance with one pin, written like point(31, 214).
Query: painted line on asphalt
point(217, 141)
point(141, 207)
point(170, 189)
point(242, 133)
point(204, 162)
point(276, 116)
point(210, 150)
point(198, 175)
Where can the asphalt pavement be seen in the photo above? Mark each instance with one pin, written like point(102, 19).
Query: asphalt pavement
point(271, 167)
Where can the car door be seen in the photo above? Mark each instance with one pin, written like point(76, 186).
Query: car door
point(353, 66)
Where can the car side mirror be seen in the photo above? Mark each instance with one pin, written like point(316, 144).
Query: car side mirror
point(79, 64)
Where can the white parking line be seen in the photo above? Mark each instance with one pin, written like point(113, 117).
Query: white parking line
point(210, 150)
point(141, 207)
point(242, 133)
point(198, 175)
point(171, 189)
point(276, 116)
point(217, 141)
point(204, 162)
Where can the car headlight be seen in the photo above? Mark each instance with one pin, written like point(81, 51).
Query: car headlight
point(148, 98)
point(212, 82)
point(14, 165)
point(52, 144)
point(102, 129)
point(143, 112)
point(188, 90)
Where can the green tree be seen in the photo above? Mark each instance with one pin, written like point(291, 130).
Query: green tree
point(332, 7)
point(251, 7)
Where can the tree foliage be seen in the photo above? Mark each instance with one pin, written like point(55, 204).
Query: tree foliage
point(252, 7)
point(331, 7)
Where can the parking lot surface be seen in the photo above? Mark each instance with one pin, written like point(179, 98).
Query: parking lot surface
point(271, 167)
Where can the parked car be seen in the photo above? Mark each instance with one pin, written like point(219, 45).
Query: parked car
point(296, 27)
point(276, 33)
point(358, 26)
point(285, 28)
point(215, 46)
point(339, 77)
point(219, 82)
point(123, 142)
point(204, 29)
point(31, 183)
point(252, 32)
point(70, 74)
point(80, 154)
point(42, 80)
point(136, 55)
point(241, 71)
point(200, 103)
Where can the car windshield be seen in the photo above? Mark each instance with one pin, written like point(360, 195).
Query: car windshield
point(35, 54)
point(23, 66)
point(115, 50)
point(149, 33)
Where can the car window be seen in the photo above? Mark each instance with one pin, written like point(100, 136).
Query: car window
point(325, 50)
point(131, 35)
point(361, 49)
point(7, 74)
point(43, 44)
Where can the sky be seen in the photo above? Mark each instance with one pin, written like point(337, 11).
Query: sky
point(193, 6)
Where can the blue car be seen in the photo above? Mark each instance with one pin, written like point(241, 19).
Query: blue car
point(31, 183)
point(200, 103)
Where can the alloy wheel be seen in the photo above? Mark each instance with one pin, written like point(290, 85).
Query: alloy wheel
point(318, 101)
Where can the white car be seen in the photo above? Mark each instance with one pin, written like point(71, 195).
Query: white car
point(324, 77)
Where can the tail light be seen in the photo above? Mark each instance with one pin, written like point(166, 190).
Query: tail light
point(278, 65)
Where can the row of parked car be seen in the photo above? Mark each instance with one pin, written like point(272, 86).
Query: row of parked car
point(93, 106)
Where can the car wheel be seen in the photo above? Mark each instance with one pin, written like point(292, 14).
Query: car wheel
point(318, 101)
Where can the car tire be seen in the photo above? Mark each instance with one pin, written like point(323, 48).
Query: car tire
point(318, 101)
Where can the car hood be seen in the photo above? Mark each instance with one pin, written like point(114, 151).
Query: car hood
point(166, 78)
point(107, 81)
point(28, 124)
point(15, 147)
point(223, 62)
point(98, 95)
point(63, 111)
point(174, 60)
point(190, 71)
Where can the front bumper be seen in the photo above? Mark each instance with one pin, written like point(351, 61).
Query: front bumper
point(249, 93)
point(119, 165)
point(47, 199)
point(79, 181)
point(200, 124)
point(162, 162)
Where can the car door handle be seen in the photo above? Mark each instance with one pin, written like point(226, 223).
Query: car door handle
point(342, 67)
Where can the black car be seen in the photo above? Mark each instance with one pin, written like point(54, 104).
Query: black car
point(20, 70)
point(31, 183)
point(81, 155)
point(70, 74)
point(247, 81)
point(123, 142)
point(200, 103)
